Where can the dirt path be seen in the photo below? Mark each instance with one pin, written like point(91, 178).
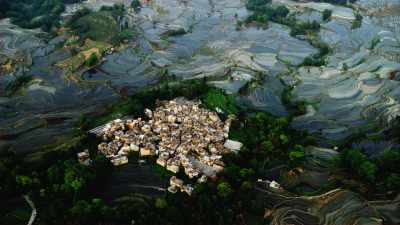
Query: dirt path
point(34, 211)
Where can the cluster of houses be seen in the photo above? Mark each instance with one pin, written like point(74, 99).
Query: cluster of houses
point(178, 184)
point(181, 134)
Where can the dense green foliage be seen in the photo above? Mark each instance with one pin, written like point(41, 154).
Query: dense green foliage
point(55, 183)
point(256, 4)
point(43, 14)
point(382, 173)
point(335, 2)
point(103, 25)
point(92, 60)
point(360, 164)
point(124, 35)
point(318, 59)
point(171, 33)
point(264, 13)
point(302, 28)
point(97, 26)
point(216, 99)
point(77, 15)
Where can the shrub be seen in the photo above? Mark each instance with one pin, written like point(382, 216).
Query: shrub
point(281, 11)
point(302, 28)
point(368, 170)
point(313, 61)
point(267, 13)
point(97, 26)
point(256, 4)
point(123, 35)
point(78, 14)
point(161, 203)
point(296, 155)
point(34, 13)
point(390, 160)
point(358, 162)
point(267, 146)
point(224, 189)
point(217, 99)
point(177, 32)
point(357, 22)
point(117, 10)
point(326, 14)
point(135, 4)
point(392, 182)
point(92, 60)
point(345, 67)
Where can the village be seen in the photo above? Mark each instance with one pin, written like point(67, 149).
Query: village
point(180, 133)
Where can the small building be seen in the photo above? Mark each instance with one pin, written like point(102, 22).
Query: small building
point(134, 147)
point(84, 157)
point(146, 151)
point(124, 150)
point(274, 185)
point(148, 113)
point(217, 168)
point(202, 179)
point(174, 181)
point(232, 145)
point(173, 168)
point(119, 160)
point(161, 161)
point(173, 189)
point(187, 188)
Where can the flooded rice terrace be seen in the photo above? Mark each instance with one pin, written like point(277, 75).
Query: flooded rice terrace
point(357, 91)
point(340, 102)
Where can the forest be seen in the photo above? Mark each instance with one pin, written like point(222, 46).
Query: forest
point(43, 14)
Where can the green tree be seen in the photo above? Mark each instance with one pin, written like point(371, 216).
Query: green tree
point(390, 160)
point(80, 210)
point(345, 67)
point(161, 203)
point(281, 11)
point(267, 146)
point(357, 161)
point(357, 22)
point(392, 182)
point(284, 139)
point(24, 182)
point(326, 14)
point(92, 60)
point(125, 34)
point(224, 189)
point(257, 4)
point(135, 4)
point(368, 170)
point(217, 99)
point(246, 185)
point(246, 173)
point(296, 155)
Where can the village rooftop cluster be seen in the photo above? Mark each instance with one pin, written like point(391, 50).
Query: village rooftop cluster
point(180, 133)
